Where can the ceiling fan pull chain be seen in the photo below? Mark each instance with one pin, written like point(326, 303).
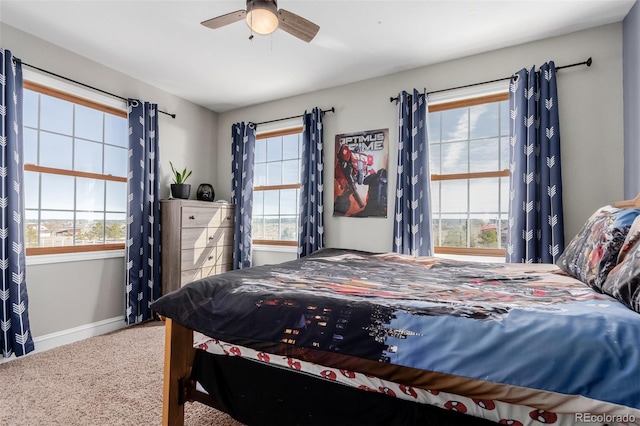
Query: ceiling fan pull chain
point(250, 9)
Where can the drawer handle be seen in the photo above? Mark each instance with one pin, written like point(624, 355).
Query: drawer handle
point(228, 217)
point(210, 257)
point(192, 217)
point(210, 238)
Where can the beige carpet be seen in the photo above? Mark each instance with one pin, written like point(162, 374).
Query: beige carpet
point(113, 379)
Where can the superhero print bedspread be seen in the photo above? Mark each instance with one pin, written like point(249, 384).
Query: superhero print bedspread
point(529, 327)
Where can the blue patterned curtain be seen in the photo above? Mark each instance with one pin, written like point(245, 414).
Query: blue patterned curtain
point(311, 221)
point(536, 226)
point(242, 152)
point(143, 231)
point(412, 222)
point(15, 332)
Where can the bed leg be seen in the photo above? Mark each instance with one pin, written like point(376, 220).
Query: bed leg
point(178, 359)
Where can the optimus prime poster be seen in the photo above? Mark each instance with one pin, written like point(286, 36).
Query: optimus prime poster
point(360, 187)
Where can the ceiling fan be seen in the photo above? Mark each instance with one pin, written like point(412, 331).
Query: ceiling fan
point(264, 17)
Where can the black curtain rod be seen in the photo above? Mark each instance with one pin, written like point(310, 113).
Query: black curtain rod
point(588, 63)
point(86, 85)
point(323, 111)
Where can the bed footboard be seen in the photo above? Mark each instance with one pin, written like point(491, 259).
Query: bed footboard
point(178, 359)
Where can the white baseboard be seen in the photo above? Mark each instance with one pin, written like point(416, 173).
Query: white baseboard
point(64, 337)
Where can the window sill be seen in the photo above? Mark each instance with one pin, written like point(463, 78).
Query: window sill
point(275, 248)
point(45, 259)
point(469, 258)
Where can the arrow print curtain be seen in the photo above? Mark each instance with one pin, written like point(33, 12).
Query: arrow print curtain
point(143, 215)
point(243, 144)
point(311, 221)
point(15, 332)
point(536, 228)
point(412, 222)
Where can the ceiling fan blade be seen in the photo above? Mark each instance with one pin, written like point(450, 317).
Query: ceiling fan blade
point(222, 20)
point(297, 26)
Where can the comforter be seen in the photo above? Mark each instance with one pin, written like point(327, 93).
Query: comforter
point(520, 333)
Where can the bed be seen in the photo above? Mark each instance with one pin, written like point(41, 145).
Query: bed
point(351, 337)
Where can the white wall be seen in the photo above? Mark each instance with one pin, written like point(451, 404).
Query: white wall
point(590, 102)
point(72, 294)
point(631, 64)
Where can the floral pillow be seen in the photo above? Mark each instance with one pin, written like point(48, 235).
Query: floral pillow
point(593, 253)
point(623, 282)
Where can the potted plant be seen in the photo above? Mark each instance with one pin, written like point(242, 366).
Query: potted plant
point(180, 189)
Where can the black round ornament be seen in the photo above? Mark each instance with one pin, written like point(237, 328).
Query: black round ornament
point(205, 192)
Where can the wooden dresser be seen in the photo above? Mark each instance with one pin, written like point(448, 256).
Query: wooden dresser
point(197, 241)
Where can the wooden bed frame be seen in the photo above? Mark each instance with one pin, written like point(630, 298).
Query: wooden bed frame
point(178, 388)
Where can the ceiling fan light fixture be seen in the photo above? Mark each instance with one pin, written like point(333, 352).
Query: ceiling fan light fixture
point(262, 16)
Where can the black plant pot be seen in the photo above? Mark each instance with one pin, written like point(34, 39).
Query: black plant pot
point(180, 190)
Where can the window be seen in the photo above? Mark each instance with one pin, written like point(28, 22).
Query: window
point(75, 179)
point(469, 156)
point(276, 188)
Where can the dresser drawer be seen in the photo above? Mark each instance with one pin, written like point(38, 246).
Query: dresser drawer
point(220, 236)
point(198, 258)
point(225, 253)
point(226, 216)
point(189, 276)
point(195, 238)
point(199, 217)
point(217, 269)
point(206, 258)
point(206, 237)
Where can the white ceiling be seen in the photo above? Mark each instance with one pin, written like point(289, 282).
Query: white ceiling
point(163, 43)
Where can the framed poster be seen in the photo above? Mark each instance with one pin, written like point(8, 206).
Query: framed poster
point(360, 185)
